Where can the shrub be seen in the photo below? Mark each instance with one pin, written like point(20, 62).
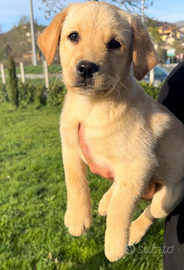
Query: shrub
point(56, 94)
point(3, 93)
point(40, 97)
point(29, 93)
point(150, 89)
point(14, 95)
point(26, 93)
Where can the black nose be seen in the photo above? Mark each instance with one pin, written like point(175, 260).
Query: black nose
point(86, 69)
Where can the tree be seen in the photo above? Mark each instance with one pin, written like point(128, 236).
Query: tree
point(14, 95)
point(156, 39)
point(7, 50)
point(51, 7)
point(179, 48)
point(24, 20)
point(154, 33)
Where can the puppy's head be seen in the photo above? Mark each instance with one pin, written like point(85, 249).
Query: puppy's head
point(98, 43)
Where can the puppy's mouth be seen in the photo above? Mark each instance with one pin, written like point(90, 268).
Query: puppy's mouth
point(86, 89)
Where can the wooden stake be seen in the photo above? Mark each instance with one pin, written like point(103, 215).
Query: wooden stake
point(46, 75)
point(22, 72)
point(3, 74)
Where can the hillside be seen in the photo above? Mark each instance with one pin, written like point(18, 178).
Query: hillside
point(17, 42)
point(154, 23)
point(180, 23)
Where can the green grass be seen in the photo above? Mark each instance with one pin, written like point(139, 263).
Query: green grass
point(52, 69)
point(36, 82)
point(41, 82)
point(33, 203)
point(37, 69)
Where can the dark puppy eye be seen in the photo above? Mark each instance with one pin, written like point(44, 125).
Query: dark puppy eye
point(74, 37)
point(113, 44)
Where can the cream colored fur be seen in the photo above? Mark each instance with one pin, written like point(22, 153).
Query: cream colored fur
point(125, 129)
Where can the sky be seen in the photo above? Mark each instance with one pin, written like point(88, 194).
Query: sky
point(12, 10)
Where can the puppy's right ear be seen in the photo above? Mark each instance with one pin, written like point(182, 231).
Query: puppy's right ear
point(49, 39)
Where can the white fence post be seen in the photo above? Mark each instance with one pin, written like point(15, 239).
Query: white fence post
point(22, 72)
point(3, 74)
point(152, 76)
point(46, 75)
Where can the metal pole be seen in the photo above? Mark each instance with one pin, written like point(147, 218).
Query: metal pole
point(142, 10)
point(32, 33)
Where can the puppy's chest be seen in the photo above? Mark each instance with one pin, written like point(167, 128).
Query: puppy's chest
point(111, 131)
point(104, 133)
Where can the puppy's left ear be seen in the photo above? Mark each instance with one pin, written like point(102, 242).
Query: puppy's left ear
point(49, 39)
point(144, 54)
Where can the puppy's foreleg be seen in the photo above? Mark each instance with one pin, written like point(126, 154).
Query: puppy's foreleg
point(122, 205)
point(104, 202)
point(78, 214)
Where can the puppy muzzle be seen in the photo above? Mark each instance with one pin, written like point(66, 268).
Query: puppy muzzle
point(86, 70)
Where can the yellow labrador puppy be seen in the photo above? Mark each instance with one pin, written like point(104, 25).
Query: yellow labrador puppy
point(125, 129)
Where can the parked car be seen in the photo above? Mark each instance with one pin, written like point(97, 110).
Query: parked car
point(160, 75)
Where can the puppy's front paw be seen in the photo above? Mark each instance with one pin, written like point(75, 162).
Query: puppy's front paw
point(115, 245)
point(78, 222)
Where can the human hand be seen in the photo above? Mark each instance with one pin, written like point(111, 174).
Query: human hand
point(150, 191)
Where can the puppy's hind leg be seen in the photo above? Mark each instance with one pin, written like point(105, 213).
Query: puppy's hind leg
point(165, 200)
point(163, 203)
point(140, 226)
point(104, 202)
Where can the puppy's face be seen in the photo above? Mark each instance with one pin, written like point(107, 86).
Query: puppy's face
point(98, 42)
point(95, 48)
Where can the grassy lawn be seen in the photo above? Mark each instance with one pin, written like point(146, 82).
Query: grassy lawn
point(52, 69)
point(33, 203)
point(37, 69)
